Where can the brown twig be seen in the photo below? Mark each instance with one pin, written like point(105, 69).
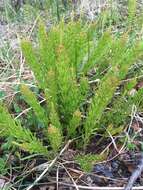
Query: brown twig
point(135, 175)
point(74, 183)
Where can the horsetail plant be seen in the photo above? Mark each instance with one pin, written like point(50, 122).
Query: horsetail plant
point(132, 9)
point(33, 102)
point(66, 54)
point(21, 136)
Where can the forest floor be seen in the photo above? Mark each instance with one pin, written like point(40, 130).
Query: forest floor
point(18, 170)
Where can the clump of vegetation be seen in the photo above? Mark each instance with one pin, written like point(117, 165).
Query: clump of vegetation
point(87, 161)
point(62, 63)
point(24, 138)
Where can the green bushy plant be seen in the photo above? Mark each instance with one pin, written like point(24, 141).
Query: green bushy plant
point(87, 161)
point(3, 168)
point(132, 8)
point(21, 136)
point(61, 64)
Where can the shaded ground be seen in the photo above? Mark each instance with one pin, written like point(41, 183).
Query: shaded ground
point(66, 174)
